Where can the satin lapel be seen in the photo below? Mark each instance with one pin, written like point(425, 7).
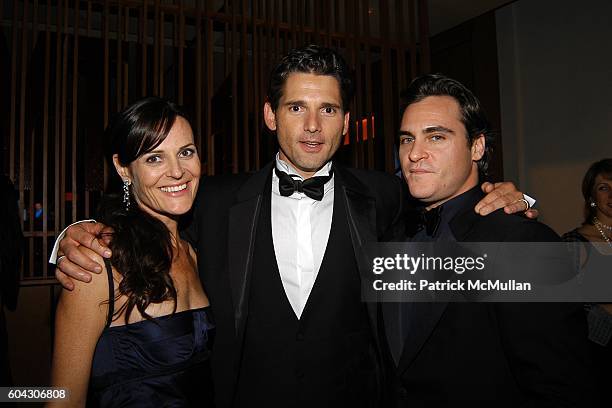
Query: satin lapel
point(424, 318)
point(361, 217)
point(360, 209)
point(242, 227)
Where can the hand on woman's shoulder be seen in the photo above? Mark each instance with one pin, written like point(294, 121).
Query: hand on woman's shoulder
point(88, 299)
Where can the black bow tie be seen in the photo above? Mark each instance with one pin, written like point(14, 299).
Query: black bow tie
point(421, 218)
point(312, 187)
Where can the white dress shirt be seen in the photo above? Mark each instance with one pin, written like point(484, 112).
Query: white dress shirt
point(300, 231)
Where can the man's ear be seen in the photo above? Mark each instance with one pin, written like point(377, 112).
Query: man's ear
point(478, 147)
point(347, 118)
point(269, 116)
point(123, 171)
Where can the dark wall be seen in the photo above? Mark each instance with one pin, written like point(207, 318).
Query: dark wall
point(468, 53)
point(555, 69)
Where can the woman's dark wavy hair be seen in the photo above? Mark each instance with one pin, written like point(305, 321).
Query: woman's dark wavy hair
point(604, 167)
point(472, 114)
point(141, 244)
point(311, 59)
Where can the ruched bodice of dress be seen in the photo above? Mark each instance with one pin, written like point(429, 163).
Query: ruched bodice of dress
point(163, 362)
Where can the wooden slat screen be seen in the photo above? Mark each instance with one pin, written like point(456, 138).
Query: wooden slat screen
point(69, 65)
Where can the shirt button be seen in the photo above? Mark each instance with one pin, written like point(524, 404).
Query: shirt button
point(299, 336)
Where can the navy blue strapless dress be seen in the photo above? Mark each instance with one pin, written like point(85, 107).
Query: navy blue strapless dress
point(162, 362)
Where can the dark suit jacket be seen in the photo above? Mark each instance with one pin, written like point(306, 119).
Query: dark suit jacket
point(226, 214)
point(495, 354)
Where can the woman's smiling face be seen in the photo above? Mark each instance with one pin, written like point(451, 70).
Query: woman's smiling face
point(165, 180)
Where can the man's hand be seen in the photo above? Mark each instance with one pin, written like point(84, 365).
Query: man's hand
point(503, 195)
point(74, 262)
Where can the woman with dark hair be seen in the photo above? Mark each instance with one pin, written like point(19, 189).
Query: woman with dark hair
point(597, 193)
point(139, 335)
point(597, 228)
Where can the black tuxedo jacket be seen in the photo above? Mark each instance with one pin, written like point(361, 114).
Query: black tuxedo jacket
point(224, 223)
point(494, 354)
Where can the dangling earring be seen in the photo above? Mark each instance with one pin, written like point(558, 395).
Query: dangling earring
point(593, 204)
point(126, 194)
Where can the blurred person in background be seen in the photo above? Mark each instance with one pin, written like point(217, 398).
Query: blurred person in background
point(597, 228)
point(11, 245)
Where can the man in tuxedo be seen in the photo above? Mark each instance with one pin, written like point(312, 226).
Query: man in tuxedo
point(473, 354)
point(293, 326)
point(277, 252)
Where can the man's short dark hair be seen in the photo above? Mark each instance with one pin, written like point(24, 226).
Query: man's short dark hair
point(311, 59)
point(472, 114)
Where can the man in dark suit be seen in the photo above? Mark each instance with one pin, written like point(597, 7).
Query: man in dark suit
point(293, 330)
point(277, 252)
point(474, 354)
